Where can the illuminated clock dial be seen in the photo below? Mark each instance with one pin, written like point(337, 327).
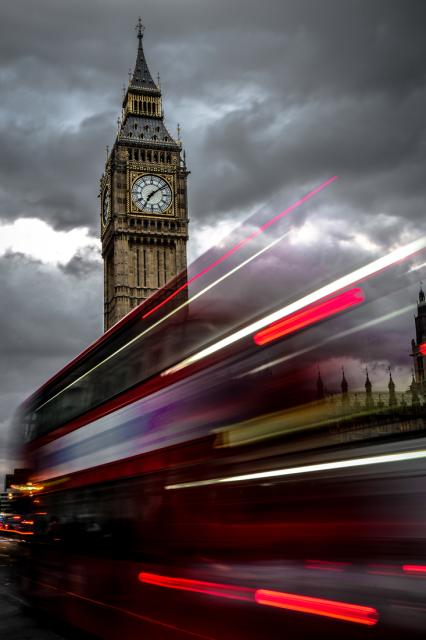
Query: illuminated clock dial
point(105, 207)
point(151, 194)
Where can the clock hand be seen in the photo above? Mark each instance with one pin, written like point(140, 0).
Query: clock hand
point(153, 193)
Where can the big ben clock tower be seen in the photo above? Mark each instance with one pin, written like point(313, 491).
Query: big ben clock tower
point(144, 217)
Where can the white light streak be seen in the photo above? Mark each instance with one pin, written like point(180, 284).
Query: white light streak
point(417, 266)
point(349, 279)
point(168, 315)
point(311, 468)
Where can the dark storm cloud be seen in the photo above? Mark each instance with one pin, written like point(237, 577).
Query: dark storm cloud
point(47, 318)
point(84, 263)
point(52, 174)
point(300, 89)
point(273, 97)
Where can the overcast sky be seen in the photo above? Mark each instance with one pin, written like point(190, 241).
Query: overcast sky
point(272, 96)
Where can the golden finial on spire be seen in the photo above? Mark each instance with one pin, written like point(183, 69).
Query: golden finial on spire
point(158, 80)
point(178, 131)
point(107, 151)
point(129, 73)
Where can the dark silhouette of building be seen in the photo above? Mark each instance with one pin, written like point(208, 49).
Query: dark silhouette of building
point(19, 476)
point(418, 345)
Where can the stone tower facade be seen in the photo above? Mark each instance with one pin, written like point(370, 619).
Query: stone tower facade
point(144, 212)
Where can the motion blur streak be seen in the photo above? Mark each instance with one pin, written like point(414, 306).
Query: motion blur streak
point(333, 338)
point(328, 608)
point(422, 348)
point(242, 242)
point(311, 468)
point(211, 588)
point(169, 315)
point(324, 565)
point(345, 281)
point(213, 284)
point(21, 533)
point(414, 568)
point(304, 604)
point(305, 318)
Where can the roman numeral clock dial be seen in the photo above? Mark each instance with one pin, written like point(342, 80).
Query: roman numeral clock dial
point(151, 194)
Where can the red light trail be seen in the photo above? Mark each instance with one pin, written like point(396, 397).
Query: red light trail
point(210, 588)
point(306, 317)
point(414, 568)
point(242, 242)
point(422, 348)
point(21, 533)
point(304, 604)
point(328, 608)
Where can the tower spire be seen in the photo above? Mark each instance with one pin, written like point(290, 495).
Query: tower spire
point(141, 78)
point(140, 29)
point(391, 387)
point(320, 386)
point(344, 384)
point(368, 385)
point(369, 403)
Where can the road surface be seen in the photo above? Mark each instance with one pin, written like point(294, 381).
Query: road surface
point(16, 622)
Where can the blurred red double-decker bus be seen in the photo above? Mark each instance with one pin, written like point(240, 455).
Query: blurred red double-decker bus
point(207, 469)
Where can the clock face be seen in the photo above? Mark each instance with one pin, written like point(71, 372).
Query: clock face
point(151, 194)
point(105, 207)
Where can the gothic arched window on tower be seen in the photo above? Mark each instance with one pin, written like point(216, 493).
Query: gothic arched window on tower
point(148, 155)
point(144, 107)
point(155, 157)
